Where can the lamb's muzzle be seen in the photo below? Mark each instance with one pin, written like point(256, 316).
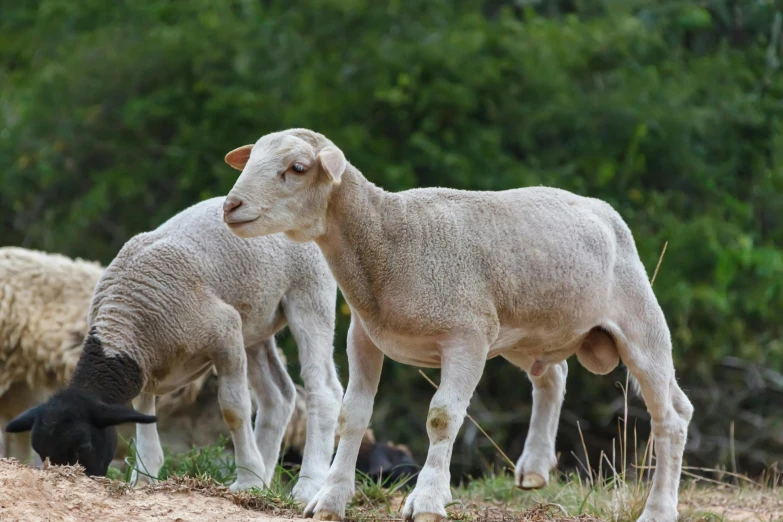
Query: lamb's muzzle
point(229, 205)
point(446, 278)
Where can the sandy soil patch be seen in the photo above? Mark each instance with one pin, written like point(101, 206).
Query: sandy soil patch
point(65, 494)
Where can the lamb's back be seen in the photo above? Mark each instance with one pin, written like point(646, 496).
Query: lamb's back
point(194, 254)
point(44, 302)
point(529, 249)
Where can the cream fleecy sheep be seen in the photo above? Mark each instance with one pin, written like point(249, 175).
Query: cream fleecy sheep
point(447, 278)
point(44, 300)
point(170, 306)
point(43, 320)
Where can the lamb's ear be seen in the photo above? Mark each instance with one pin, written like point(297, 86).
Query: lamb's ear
point(105, 415)
point(23, 422)
point(333, 162)
point(237, 158)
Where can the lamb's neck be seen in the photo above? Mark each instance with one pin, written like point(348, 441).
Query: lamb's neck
point(354, 244)
point(113, 377)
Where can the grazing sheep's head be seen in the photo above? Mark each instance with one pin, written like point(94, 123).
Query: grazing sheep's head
point(75, 427)
point(388, 462)
point(284, 186)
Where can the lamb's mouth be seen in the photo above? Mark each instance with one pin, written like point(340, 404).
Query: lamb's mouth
point(237, 224)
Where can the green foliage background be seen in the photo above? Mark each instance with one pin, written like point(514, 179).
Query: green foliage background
point(116, 115)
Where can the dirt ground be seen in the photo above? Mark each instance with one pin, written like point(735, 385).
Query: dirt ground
point(724, 505)
point(64, 494)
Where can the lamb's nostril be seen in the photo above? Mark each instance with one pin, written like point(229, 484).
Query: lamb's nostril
point(231, 203)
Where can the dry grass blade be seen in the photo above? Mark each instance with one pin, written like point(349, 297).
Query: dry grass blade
point(587, 456)
point(253, 500)
point(738, 476)
point(660, 258)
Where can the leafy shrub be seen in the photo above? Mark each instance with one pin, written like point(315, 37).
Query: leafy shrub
point(116, 116)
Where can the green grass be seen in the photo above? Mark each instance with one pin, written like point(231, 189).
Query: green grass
point(493, 497)
point(700, 500)
point(208, 464)
point(604, 496)
point(213, 465)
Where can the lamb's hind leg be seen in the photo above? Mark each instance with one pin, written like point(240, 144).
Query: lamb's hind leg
point(230, 361)
point(275, 393)
point(645, 348)
point(538, 456)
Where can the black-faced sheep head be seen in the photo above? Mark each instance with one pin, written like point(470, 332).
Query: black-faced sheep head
point(390, 463)
point(74, 427)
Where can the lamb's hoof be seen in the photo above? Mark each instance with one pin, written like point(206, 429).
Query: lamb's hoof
point(245, 485)
point(532, 481)
point(139, 481)
point(429, 517)
point(327, 515)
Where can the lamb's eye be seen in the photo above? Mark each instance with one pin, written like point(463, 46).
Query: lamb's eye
point(298, 167)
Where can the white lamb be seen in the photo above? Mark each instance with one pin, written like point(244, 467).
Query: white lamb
point(175, 302)
point(446, 278)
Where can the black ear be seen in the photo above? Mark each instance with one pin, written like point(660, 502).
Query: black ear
point(105, 415)
point(23, 422)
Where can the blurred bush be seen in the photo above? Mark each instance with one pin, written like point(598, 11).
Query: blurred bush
point(114, 116)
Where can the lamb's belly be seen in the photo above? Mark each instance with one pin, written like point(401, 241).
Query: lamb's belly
point(180, 374)
point(425, 352)
point(547, 346)
point(509, 338)
point(260, 326)
point(413, 351)
point(420, 360)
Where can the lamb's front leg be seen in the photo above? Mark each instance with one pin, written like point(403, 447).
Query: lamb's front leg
point(149, 452)
point(461, 368)
point(364, 372)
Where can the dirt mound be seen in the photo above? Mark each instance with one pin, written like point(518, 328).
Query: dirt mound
point(62, 493)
